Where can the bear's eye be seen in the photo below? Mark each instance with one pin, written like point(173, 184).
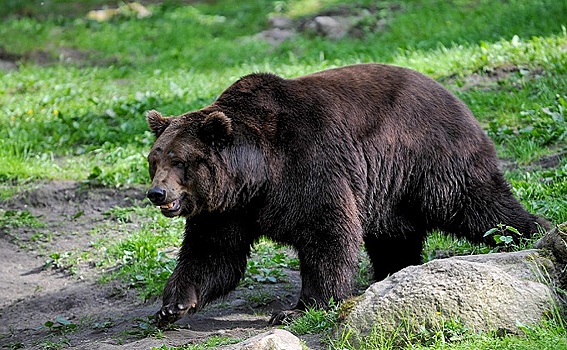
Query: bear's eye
point(152, 167)
point(176, 163)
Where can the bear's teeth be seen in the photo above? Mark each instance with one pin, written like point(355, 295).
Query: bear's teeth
point(167, 206)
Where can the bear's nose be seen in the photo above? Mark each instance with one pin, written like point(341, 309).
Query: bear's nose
point(156, 195)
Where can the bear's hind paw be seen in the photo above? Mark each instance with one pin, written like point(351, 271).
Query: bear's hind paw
point(284, 317)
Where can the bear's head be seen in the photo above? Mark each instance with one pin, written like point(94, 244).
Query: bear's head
point(188, 162)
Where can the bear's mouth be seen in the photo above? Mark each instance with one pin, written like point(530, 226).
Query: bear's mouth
point(172, 208)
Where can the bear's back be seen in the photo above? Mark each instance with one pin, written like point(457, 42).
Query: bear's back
point(383, 101)
point(366, 103)
point(383, 90)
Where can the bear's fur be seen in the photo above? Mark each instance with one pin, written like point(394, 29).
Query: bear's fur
point(366, 154)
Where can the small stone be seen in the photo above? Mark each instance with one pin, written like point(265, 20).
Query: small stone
point(275, 36)
point(8, 65)
point(237, 303)
point(280, 22)
point(276, 339)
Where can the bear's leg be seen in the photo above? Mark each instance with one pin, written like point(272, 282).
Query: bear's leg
point(326, 276)
point(328, 263)
point(211, 263)
point(390, 252)
point(485, 206)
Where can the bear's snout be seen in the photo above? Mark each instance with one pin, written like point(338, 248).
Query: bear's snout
point(156, 195)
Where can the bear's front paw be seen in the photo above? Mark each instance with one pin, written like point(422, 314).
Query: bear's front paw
point(170, 313)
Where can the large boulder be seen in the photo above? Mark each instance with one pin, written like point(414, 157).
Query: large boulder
point(483, 293)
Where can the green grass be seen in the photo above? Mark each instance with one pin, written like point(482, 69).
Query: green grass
point(213, 342)
point(267, 262)
point(84, 119)
point(144, 259)
point(452, 335)
point(94, 114)
point(16, 218)
point(315, 321)
point(449, 334)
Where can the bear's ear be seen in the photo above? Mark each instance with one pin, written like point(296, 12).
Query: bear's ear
point(157, 122)
point(216, 129)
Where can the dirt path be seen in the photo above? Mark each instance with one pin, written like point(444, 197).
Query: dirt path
point(86, 314)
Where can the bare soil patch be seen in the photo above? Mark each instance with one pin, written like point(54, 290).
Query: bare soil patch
point(97, 316)
point(490, 78)
point(66, 55)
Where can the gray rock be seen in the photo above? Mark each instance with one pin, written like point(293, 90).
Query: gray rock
point(483, 293)
point(280, 22)
point(332, 27)
point(276, 339)
point(8, 65)
point(520, 264)
point(238, 303)
point(275, 36)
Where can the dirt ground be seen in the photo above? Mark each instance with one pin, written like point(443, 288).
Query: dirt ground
point(95, 315)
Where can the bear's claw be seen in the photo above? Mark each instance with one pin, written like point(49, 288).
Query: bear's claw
point(169, 314)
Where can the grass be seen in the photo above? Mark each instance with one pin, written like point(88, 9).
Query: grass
point(452, 335)
point(79, 114)
point(315, 320)
point(144, 259)
point(15, 218)
point(211, 343)
point(268, 260)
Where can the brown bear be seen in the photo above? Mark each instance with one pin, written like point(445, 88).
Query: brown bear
point(366, 154)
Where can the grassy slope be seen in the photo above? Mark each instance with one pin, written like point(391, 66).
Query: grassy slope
point(85, 121)
point(89, 116)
